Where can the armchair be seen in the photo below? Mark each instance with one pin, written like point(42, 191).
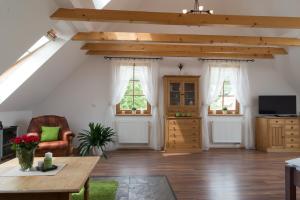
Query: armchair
point(61, 147)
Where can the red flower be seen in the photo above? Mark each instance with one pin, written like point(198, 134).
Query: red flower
point(25, 139)
point(17, 140)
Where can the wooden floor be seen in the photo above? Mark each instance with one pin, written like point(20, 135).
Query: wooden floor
point(223, 174)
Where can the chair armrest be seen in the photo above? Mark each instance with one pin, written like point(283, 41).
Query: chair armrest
point(33, 134)
point(68, 136)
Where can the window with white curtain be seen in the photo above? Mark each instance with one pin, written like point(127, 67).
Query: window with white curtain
point(226, 102)
point(134, 101)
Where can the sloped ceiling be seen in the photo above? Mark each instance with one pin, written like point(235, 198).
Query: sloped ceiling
point(46, 79)
point(24, 22)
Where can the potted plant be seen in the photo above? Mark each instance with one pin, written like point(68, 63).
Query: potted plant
point(225, 110)
point(94, 140)
point(25, 147)
point(133, 109)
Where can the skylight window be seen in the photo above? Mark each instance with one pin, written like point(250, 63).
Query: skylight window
point(28, 64)
point(99, 4)
point(41, 42)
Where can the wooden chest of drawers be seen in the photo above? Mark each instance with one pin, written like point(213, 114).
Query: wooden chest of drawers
point(183, 134)
point(277, 134)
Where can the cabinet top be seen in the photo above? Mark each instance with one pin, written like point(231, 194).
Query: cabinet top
point(183, 117)
point(181, 76)
point(273, 117)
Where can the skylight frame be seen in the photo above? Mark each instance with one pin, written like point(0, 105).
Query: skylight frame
point(36, 46)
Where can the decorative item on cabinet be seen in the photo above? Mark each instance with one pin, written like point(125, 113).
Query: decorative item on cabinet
point(182, 121)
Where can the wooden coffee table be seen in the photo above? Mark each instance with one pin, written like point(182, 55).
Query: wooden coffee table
point(74, 176)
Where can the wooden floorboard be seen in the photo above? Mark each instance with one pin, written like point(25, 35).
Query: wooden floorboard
point(222, 174)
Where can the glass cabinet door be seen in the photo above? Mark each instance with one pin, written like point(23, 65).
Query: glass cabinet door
point(189, 94)
point(174, 94)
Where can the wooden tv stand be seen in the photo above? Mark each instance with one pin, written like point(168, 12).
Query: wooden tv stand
point(277, 134)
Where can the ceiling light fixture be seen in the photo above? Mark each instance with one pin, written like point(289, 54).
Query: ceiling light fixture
point(198, 10)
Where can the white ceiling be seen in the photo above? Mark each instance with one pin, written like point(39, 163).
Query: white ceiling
point(24, 22)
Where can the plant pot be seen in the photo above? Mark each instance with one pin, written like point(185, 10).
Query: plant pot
point(25, 158)
point(225, 112)
point(96, 151)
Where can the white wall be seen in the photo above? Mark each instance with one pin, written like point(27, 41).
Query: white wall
point(16, 118)
point(84, 96)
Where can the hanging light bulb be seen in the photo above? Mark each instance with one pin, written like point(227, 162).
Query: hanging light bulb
point(198, 9)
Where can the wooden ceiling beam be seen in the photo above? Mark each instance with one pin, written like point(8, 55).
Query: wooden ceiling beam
point(94, 15)
point(182, 48)
point(185, 38)
point(179, 54)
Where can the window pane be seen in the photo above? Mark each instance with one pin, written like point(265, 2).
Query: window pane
point(39, 43)
point(43, 40)
point(138, 88)
point(230, 103)
point(228, 89)
point(217, 105)
point(126, 103)
point(129, 90)
point(140, 102)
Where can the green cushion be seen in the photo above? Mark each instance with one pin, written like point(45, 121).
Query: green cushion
point(49, 134)
point(99, 189)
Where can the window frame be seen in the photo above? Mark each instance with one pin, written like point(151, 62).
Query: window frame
point(229, 112)
point(30, 52)
point(139, 112)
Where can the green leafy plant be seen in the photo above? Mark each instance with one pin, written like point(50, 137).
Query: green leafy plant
point(225, 109)
point(98, 136)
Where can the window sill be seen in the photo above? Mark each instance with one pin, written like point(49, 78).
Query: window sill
point(225, 115)
point(133, 115)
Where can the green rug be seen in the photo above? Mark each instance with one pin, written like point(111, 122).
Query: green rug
point(99, 190)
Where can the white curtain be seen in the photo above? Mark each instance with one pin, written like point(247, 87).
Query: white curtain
point(243, 95)
point(213, 78)
point(147, 73)
point(215, 73)
point(121, 72)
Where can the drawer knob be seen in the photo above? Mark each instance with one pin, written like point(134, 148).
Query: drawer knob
point(292, 133)
point(292, 140)
point(276, 121)
point(292, 127)
point(292, 146)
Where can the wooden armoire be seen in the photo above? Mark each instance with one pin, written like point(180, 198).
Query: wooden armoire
point(181, 113)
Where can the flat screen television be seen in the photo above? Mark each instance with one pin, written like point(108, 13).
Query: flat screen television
point(277, 105)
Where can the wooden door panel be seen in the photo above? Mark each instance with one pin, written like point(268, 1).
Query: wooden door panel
point(277, 136)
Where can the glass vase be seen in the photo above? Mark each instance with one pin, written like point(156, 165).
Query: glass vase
point(25, 157)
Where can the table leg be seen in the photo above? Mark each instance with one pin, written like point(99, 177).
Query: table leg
point(86, 189)
point(290, 188)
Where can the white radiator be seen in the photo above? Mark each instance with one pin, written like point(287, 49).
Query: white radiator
point(133, 132)
point(227, 132)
